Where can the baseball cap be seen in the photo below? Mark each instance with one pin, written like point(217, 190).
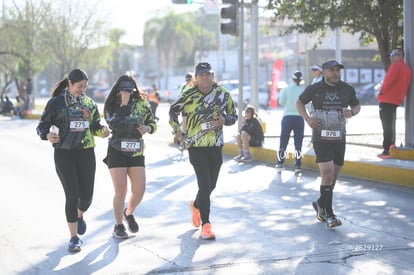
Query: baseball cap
point(331, 64)
point(126, 86)
point(188, 76)
point(297, 75)
point(316, 68)
point(203, 67)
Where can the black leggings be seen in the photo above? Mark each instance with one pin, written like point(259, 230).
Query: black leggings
point(76, 171)
point(206, 162)
point(388, 115)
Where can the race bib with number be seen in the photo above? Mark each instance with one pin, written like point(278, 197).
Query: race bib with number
point(78, 125)
point(207, 125)
point(132, 145)
point(331, 134)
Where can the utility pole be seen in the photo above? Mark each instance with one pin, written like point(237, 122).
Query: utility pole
point(409, 59)
point(241, 64)
point(254, 55)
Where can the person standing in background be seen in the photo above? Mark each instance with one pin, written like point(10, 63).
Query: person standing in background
point(129, 116)
point(208, 107)
point(154, 99)
point(29, 90)
point(291, 121)
point(187, 82)
point(70, 121)
point(316, 73)
point(391, 95)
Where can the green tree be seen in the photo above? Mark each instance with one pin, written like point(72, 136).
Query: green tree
point(70, 32)
point(170, 36)
point(176, 37)
point(381, 20)
point(44, 33)
point(20, 32)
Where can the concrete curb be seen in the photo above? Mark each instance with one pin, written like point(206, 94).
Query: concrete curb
point(32, 116)
point(362, 169)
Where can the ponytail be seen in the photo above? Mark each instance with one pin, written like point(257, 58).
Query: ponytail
point(76, 75)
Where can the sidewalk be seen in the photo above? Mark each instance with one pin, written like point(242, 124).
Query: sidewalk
point(364, 139)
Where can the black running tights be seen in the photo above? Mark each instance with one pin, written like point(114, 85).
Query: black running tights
point(76, 171)
point(206, 162)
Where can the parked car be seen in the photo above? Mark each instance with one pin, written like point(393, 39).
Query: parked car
point(229, 84)
point(90, 89)
point(99, 94)
point(263, 96)
point(367, 94)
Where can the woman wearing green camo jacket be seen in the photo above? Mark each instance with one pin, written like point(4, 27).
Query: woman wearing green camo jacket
point(70, 121)
point(129, 116)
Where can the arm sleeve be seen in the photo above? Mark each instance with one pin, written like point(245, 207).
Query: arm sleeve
point(175, 110)
point(45, 121)
point(96, 122)
point(149, 119)
point(231, 112)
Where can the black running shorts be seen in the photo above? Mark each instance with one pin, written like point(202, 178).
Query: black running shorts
point(330, 151)
point(116, 158)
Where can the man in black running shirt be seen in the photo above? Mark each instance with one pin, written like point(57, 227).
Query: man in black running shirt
point(331, 99)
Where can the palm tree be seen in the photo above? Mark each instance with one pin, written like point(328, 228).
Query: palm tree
point(173, 36)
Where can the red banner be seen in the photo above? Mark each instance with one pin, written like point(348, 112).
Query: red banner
point(276, 74)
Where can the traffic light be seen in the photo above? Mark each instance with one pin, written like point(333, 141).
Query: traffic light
point(230, 14)
point(182, 1)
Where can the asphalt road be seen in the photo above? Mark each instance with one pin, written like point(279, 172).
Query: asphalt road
point(264, 221)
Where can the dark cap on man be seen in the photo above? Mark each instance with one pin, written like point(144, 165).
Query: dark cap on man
point(126, 86)
point(331, 64)
point(203, 67)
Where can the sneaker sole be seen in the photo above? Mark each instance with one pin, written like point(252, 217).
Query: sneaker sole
point(384, 157)
point(315, 206)
point(211, 238)
point(337, 223)
point(75, 249)
point(119, 237)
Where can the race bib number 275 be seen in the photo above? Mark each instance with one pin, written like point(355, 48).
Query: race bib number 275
point(79, 125)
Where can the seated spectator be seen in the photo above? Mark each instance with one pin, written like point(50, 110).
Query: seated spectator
point(19, 108)
point(250, 135)
point(8, 107)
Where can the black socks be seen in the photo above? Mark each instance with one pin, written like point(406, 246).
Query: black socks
point(325, 201)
